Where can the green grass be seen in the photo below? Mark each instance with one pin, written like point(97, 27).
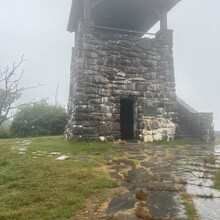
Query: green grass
point(217, 180)
point(37, 186)
point(189, 207)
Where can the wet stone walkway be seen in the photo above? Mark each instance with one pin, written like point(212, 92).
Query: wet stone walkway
point(154, 180)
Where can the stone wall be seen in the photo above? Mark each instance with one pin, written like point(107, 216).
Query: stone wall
point(108, 66)
point(158, 128)
point(217, 135)
point(203, 123)
point(198, 125)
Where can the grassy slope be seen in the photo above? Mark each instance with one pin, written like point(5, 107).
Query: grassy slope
point(217, 180)
point(36, 186)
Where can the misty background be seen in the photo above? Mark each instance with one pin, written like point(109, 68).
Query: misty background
point(37, 29)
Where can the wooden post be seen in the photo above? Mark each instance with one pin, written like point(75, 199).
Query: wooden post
point(163, 20)
point(87, 9)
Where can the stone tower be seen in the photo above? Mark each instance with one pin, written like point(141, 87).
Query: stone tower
point(122, 83)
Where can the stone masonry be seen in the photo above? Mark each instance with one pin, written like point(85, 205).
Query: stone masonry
point(108, 67)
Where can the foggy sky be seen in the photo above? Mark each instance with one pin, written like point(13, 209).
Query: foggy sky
point(37, 29)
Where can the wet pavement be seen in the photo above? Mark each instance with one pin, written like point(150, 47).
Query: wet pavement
point(155, 178)
point(209, 209)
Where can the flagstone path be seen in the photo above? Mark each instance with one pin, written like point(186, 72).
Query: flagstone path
point(154, 179)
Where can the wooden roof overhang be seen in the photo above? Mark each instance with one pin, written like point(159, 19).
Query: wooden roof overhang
point(136, 15)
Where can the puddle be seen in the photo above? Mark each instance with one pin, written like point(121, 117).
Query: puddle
point(208, 208)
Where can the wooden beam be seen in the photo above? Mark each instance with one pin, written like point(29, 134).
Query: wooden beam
point(163, 20)
point(87, 9)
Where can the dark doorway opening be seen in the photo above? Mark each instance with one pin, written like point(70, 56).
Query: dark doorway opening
point(127, 118)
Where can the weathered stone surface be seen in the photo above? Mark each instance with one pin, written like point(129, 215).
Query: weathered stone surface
point(138, 175)
point(158, 129)
point(121, 202)
point(194, 125)
point(208, 208)
point(108, 66)
point(166, 204)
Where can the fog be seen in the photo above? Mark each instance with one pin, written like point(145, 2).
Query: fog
point(37, 29)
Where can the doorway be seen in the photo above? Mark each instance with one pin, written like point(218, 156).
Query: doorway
point(127, 118)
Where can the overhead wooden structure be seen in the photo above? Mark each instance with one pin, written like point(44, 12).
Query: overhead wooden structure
point(136, 15)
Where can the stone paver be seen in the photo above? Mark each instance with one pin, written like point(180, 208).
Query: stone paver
point(163, 173)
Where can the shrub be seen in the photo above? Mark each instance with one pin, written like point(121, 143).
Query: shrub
point(39, 120)
point(5, 133)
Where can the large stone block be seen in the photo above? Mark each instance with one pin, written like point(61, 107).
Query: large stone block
point(144, 44)
point(96, 116)
point(90, 123)
point(81, 116)
point(84, 109)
